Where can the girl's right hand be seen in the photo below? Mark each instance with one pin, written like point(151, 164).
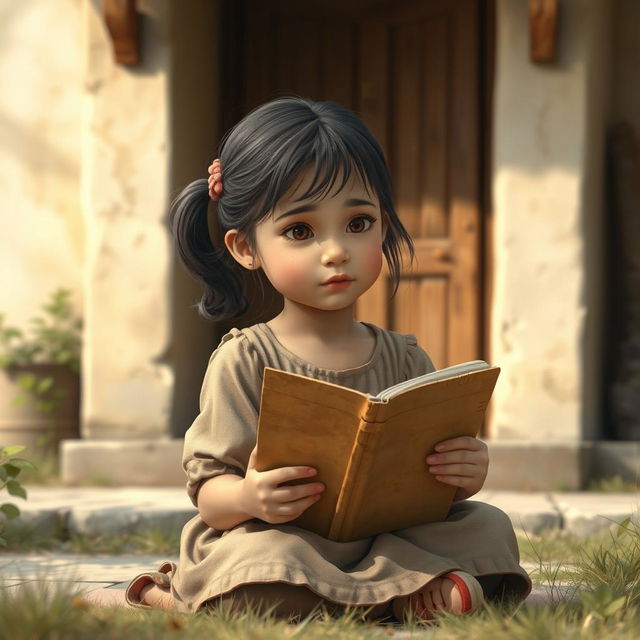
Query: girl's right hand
point(262, 497)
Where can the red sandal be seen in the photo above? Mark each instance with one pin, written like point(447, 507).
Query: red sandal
point(469, 588)
point(161, 577)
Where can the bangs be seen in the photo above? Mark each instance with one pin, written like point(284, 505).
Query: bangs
point(334, 160)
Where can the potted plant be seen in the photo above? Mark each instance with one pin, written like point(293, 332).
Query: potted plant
point(39, 377)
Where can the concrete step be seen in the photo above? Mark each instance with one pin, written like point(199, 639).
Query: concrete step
point(109, 510)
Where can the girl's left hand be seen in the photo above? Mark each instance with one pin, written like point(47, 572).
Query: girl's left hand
point(462, 462)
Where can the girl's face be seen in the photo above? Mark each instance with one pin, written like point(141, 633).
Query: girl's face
point(303, 244)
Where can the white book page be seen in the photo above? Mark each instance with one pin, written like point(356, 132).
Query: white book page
point(434, 376)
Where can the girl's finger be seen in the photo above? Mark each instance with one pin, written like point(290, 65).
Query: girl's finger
point(295, 507)
point(467, 470)
point(456, 481)
point(284, 474)
point(297, 492)
point(460, 455)
point(463, 442)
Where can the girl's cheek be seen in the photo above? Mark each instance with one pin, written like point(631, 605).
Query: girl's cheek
point(291, 275)
point(373, 260)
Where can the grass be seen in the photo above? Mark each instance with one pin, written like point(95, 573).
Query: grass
point(27, 537)
point(60, 612)
point(602, 570)
point(605, 573)
point(614, 484)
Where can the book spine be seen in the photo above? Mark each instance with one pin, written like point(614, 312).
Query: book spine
point(360, 461)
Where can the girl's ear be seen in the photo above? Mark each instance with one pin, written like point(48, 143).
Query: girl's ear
point(239, 248)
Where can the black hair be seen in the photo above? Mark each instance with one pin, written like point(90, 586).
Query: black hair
point(260, 158)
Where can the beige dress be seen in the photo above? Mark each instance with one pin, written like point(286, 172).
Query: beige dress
point(476, 537)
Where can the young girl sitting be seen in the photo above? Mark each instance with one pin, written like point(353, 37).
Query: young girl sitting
point(304, 194)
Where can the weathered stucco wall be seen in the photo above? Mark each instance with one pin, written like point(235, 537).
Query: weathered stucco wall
point(127, 384)
point(548, 125)
point(42, 233)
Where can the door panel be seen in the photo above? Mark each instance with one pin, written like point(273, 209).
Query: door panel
point(411, 70)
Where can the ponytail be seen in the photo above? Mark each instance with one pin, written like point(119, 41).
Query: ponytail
point(224, 294)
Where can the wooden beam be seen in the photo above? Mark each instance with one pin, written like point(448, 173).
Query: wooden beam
point(123, 25)
point(543, 28)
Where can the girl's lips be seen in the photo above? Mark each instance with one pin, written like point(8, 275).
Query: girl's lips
point(338, 278)
point(337, 284)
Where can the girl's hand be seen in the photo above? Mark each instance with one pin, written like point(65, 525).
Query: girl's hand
point(262, 498)
point(462, 462)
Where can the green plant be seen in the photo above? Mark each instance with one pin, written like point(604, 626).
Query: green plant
point(614, 484)
point(54, 338)
point(10, 468)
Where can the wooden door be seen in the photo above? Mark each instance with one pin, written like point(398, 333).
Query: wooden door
point(411, 70)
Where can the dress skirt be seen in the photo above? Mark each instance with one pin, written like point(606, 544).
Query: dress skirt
point(476, 537)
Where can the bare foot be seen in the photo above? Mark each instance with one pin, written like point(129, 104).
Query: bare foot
point(441, 594)
point(156, 597)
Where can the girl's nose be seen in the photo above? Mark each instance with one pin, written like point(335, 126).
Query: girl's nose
point(334, 253)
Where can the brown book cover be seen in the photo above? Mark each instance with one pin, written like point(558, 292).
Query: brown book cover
point(370, 451)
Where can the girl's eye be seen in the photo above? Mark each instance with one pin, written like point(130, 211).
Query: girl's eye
point(301, 232)
point(361, 223)
point(297, 232)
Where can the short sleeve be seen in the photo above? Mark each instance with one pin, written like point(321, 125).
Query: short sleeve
point(222, 436)
point(418, 362)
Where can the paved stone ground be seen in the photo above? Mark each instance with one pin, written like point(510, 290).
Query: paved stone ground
point(102, 579)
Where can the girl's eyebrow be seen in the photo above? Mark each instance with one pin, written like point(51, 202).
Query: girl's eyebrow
point(351, 202)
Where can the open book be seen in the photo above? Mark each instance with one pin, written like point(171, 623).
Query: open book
point(370, 451)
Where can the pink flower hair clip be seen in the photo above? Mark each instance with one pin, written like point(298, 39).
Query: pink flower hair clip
point(215, 180)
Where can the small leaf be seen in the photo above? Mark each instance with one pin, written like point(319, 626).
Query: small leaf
point(11, 470)
point(20, 400)
point(26, 381)
point(588, 599)
point(13, 449)
point(10, 510)
point(3, 473)
point(623, 527)
point(44, 384)
point(23, 464)
point(15, 489)
point(614, 606)
point(63, 356)
point(46, 407)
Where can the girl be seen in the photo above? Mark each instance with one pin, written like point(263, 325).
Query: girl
point(304, 194)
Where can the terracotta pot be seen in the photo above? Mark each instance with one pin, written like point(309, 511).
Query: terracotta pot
point(24, 424)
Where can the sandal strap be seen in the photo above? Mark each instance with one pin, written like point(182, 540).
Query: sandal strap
point(132, 592)
point(470, 589)
point(470, 592)
point(161, 579)
point(465, 594)
point(168, 567)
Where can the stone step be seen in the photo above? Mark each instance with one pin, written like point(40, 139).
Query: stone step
point(110, 510)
